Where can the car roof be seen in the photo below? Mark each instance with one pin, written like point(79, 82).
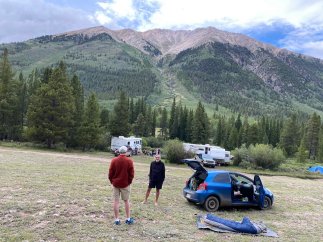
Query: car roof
point(217, 171)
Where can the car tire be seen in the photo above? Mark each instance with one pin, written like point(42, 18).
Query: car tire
point(267, 203)
point(212, 204)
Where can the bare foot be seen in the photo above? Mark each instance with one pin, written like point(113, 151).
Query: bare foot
point(144, 202)
point(156, 204)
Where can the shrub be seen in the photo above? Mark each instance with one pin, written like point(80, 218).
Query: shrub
point(265, 156)
point(174, 151)
point(153, 142)
point(240, 155)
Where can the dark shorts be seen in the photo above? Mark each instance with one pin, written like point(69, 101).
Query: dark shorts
point(157, 184)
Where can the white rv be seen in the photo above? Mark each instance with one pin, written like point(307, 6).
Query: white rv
point(219, 154)
point(131, 142)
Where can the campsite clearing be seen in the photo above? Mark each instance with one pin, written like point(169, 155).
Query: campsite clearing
point(54, 196)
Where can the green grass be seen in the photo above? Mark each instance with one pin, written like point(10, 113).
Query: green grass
point(55, 196)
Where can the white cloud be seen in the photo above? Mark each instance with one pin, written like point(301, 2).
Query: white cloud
point(233, 13)
point(22, 20)
point(307, 40)
point(119, 9)
point(102, 18)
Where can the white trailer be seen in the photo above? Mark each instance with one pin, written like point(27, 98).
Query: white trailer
point(131, 142)
point(219, 154)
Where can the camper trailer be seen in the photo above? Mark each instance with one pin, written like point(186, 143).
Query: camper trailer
point(219, 154)
point(134, 144)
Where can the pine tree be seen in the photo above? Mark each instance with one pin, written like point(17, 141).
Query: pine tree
point(22, 102)
point(78, 95)
point(312, 135)
point(90, 129)
point(189, 127)
point(51, 110)
point(10, 121)
point(289, 139)
point(301, 156)
point(153, 123)
point(173, 122)
point(139, 126)
point(104, 119)
point(200, 132)
point(320, 146)
point(163, 123)
point(119, 122)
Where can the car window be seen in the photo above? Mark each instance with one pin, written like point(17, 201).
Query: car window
point(241, 179)
point(222, 178)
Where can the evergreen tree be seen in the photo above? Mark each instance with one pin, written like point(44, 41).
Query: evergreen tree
point(219, 133)
point(22, 100)
point(132, 117)
point(183, 124)
point(253, 137)
point(78, 95)
point(301, 156)
point(289, 139)
point(189, 126)
point(163, 123)
point(90, 129)
point(320, 146)
point(244, 132)
point(312, 135)
point(233, 138)
point(200, 132)
point(139, 127)
point(104, 119)
point(51, 110)
point(10, 121)
point(119, 122)
point(153, 123)
point(173, 122)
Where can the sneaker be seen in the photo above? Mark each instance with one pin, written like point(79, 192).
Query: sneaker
point(117, 222)
point(130, 221)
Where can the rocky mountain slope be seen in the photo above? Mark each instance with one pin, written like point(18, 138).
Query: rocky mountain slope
point(218, 67)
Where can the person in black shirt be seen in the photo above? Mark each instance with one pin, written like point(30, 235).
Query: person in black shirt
point(156, 178)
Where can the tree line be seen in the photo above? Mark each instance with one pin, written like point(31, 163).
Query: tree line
point(49, 107)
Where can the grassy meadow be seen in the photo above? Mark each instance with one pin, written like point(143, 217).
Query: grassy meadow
point(52, 196)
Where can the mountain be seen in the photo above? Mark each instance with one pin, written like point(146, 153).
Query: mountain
point(220, 68)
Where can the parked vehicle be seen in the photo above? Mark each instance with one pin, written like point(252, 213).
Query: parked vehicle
point(128, 153)
point(218, 188)
point(206, 160)
point(134, 144)
point(219, 154)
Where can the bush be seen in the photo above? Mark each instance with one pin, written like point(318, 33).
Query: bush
point(265, 156)
point(240, 155)
point(174, 151)
point(153, 142)
point(258, 156)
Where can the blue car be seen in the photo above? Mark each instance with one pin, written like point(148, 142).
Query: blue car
point(218, 188)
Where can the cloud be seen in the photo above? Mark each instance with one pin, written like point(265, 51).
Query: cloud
point(300, 20)
point(229, 14)
point(22, 20)
point(307, 40)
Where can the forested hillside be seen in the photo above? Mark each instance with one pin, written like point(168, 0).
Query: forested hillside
point(226, 70)
point(104, 65)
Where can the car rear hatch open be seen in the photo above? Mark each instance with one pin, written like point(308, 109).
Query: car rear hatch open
point(199, 176)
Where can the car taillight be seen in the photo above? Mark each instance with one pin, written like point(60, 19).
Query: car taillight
point(202, 186)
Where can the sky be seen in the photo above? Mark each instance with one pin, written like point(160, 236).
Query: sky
point(296, 25)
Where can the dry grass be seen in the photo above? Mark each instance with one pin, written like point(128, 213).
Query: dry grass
point(48, 196)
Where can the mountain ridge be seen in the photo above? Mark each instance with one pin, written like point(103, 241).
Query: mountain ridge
point(211, 64)
point(178, 40)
